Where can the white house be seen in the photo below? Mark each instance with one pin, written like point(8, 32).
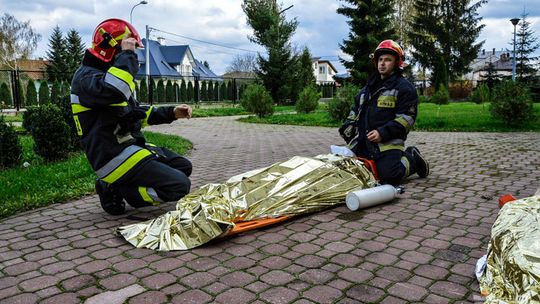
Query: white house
point(500, 60)
point(323, 70)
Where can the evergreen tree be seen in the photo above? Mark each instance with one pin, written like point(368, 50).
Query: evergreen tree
point(439, 76)
point(223, 92)
point(176, 89)
point(272, 31)
point(5, 95)
point(404, 12)
point(20, 94)
point(183, 91)
point(55, 92)
point(169, 93)
point(526, 45)
point(43, 94)
point(143, 91)
point(210, 91)
point(216, 91)
point(152, 89)
point(447, 29)
point(74, 53)
point(65, 89)
point(31, 93)
point(57, 56)
point(304, 73)
point(230, 91)
point(370, 23)
point(160, 90)
point(204, 92)
point(190, 92)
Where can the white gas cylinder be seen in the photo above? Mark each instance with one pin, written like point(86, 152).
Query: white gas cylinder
point(371, 196)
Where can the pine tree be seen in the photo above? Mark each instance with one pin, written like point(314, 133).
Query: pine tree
point(43, 94)
point(272, 31)
point(183, 91)
point(55, 92)
point(169, 93)
point(526, 45)
point(31, 93)
point(370, 23)
point(304, 73)
point(447, 29)
point(74, 53)
point(190, 92)
point(143, 91)
point(210, 91)
point(5, 96)
point(439, 76)
point(57, 56)
point(160, 90)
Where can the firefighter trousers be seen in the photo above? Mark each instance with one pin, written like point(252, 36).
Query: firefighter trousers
point(162, 179)
point(394, 165)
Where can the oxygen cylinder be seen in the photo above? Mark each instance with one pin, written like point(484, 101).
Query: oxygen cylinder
point(372, 196)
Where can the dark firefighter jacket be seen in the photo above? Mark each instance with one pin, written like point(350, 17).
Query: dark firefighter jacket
point(107, 117)
point(389, 107)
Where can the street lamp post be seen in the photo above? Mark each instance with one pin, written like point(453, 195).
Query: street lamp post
point(514, 22)
point(131, 12)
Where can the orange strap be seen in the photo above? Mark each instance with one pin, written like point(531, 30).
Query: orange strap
point(370, 165)
point(254, 224)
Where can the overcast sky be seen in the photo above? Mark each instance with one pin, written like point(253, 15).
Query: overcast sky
point(222, 22)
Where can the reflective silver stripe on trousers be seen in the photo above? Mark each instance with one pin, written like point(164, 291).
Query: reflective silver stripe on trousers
point(119, 84)
point(152, 193)
point(408, 118)
point(117, 161)
point(74, 99)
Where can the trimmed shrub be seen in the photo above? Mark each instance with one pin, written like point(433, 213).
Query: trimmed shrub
point(160, 90)
point(340, 106)
point(64, 104)
point(10, 146)
point(31, 93)
point(5, 96)
point(204, 93)
point(183, 91)
point(210, 91)
point(441, 96)
point(143, 91)
point(257, 100)
point(512, 103)
point(43, 94)
point(308, 100)
point(190, 92)
point(169, 92)
point(480, 94)
point(50, 132)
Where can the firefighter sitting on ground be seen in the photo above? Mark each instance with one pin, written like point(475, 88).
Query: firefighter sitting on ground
point(383, 113)
point(109, 121)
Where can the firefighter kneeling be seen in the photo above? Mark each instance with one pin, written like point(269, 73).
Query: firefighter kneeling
point(382, 115)
point(109, 122)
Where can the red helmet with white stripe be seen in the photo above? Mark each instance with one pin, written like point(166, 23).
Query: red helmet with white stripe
point(389, 47)
point(108, 35)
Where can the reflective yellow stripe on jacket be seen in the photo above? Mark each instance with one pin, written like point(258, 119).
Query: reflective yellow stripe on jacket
point(121, 80)
point(122, 163)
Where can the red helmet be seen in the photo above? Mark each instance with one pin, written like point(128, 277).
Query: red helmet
point(108, 35)
point(389, 47)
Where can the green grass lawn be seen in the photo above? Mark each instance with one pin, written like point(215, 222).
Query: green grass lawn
point(457, 117)
point(43, 183)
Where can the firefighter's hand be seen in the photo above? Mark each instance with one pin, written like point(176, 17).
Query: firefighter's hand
point(182, 111)
point(129, 44)
point(374, 136)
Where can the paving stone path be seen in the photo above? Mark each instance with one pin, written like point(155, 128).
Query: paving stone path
point(421, 248)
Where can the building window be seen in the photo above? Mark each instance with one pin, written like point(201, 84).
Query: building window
point(322, 70)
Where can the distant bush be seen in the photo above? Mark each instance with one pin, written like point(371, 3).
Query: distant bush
point(257, 100)
point(340, 106)
point(64, 104)
point(424, 99)
point(308, 100)
point(5, 95)
point(441, 97)
point(10, 146)
point(512, 103)
point(31, 93)
point(480, 94)
point(44, 93)
point(50, 132)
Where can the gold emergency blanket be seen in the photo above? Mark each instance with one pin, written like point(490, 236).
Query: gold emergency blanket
point(513, 260)
point(297, 186)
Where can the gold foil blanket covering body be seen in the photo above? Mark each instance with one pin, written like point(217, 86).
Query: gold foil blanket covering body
point(513, 260)
point(297, 186)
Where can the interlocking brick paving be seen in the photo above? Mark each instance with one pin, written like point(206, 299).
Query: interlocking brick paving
point(420, 248)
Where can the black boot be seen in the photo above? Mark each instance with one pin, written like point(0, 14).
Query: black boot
point(111, 201)
point(420, 163)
